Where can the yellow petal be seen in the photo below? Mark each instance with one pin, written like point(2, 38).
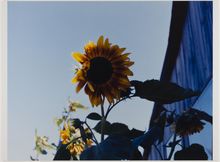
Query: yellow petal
point(80, 86)
point(79, 76)
point(91, 99)
point(109, 97)
point(79, 57)
point(89, 46)
point(124, 81)
point(128, 63)
point(100, 41)
point(74, 79)
point(121, 57)
point(97, 100)
point(128, 72)
point(107, 45)
point(120, 50)
point(87, 90)
point(90, 87)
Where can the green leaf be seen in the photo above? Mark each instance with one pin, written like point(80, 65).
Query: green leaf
point(114, 147)
point(58, 121)
point(94, 116)
point(76, 105)
point(136, 155)
point(118, 128)
point(106, 130)
point(134, 133)
point(202, 115)
point(161, 92)
point(193, 152)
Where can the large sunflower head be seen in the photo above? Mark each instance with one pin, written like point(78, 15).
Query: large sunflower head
point(104, 71)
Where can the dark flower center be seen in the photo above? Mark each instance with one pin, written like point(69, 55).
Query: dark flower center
point(100, 70)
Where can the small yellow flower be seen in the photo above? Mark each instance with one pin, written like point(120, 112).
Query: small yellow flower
point(89, 142)
point(104, 71)
point(65, 134)
point(76, 148)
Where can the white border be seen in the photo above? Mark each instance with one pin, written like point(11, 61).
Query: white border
point(3, 80)
point(216, 80)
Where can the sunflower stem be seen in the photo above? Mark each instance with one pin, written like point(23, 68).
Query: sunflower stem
point(112, 106)
point(173, 148)
point(103, 120)
point(95, 140)
point(161, 157)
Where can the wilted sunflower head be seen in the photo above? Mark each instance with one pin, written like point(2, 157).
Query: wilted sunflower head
point(104, 71)
point(188, 123)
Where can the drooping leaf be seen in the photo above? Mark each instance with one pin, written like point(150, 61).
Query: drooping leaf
point(193, 152)
point(94, 116)
point(161, 92)
point(136, 155)
point(114, 147)
point(76, 122)
point(118, 128)
point(62, 153)
point(58, 121)
point(134, 133)
point(76, 105)
point(106, 130)
point(202, 115)
point(119, 147)
point(41, 144)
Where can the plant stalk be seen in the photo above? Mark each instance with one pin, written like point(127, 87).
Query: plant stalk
point(173, 148)
point(103, 121)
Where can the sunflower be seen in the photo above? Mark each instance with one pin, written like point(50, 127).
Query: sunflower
point(104, 71)
point(188, 123)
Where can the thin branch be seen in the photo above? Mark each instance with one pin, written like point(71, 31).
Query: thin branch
point(95, 140)
point(161, 157)
point(180, 145)
point(103, 119)
point(111, 107)
point(172, 148)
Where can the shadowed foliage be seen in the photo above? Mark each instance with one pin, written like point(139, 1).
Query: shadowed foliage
point(161, 92)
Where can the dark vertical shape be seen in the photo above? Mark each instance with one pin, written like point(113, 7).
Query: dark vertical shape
point(179, 12)
point(188, 61)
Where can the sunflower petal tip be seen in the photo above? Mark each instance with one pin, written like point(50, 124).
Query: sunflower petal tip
point(74, 80)
point(100, 40)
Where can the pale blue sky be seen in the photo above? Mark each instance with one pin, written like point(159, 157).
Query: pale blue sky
point(41, 37)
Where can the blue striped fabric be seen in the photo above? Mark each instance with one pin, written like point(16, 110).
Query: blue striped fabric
point(193, 65)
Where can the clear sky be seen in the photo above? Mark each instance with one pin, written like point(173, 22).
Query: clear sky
point(41, 37)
